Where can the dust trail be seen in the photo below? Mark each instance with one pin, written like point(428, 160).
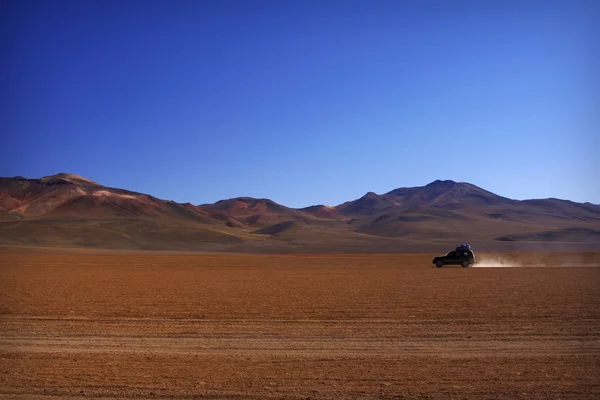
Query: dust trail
point(495, 262)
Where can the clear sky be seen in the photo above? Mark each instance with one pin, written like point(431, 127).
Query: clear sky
point(304, 102)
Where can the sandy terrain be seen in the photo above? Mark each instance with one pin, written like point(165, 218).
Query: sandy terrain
point(315, 326)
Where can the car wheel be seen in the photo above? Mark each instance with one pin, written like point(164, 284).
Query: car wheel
point(465, 263)
point(439, 263)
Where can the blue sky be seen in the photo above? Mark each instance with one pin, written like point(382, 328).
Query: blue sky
point(304, 102)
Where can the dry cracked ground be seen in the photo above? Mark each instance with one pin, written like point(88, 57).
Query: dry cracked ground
point(177, 326)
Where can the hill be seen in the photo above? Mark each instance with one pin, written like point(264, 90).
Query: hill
point(248, 212)
point(67, 210)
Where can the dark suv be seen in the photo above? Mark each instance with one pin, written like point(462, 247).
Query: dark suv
point(463, 255)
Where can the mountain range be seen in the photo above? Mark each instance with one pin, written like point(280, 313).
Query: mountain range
point(67, 210)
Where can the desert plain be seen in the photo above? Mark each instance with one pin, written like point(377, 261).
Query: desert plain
point(150, 325)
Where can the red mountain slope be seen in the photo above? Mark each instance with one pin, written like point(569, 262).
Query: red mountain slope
point(67, 195)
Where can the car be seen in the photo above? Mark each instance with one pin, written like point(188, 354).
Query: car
point(463, 255)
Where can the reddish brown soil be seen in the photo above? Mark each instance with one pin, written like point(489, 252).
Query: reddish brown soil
point(298, 327)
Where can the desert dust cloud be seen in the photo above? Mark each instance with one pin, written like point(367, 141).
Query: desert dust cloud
point(496, 262)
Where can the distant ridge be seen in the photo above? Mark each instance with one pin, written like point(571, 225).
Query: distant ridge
point(70, 210)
